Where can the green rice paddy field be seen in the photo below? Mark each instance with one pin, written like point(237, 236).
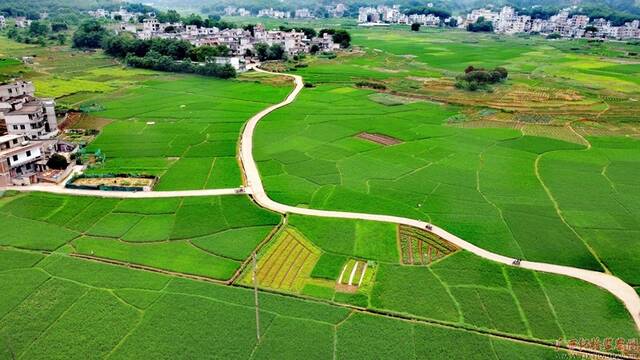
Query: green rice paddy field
point(204, 236)
point(73, 308)
point(184, 130)
point(532, 197)
point(565, 197)
point(211, 237)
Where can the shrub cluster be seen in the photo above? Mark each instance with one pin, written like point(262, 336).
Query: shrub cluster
point(477, 78)
point(481, 25)
point(156, 61)
point(372, 85)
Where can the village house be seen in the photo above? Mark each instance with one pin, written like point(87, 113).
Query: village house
point(325, 42)
point(237, 62)
point(303, 14)
point(336, 11)
point(29, 126)
point(3, 22)
point(22, 22)
point(23, 114)
point(99, 13)
point(20, 160)
point(276, 14)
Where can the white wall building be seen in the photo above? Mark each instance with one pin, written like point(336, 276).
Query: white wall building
point(23, 114)
point(303, 14)
point(20, 160)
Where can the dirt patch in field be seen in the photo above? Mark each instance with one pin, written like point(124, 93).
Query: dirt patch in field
point(379, 139)
point(346, 288)
point(114, 181)
point(78, 120)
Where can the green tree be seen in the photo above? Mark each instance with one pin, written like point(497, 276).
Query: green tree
point(57, 162)
point(261, 51)
point(89, 35)
point(276, 52)
point(171, 16)
point(415, 27)
point(38, 29)
point(57, 27)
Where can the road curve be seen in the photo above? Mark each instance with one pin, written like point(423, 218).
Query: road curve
point(623, 291)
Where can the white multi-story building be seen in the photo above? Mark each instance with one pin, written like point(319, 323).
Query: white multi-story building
point(336, 11)
point(99, 14)
point(237, 62)
point(30, 125)
point(23, 114)
point(3, 22)
point(276, 14)
point(124, 15)
point(325, 42)
point(22, 22)
point(368, 15)
point(486, 14)
point(20, 160)
point(303, 14)
point(244, 12)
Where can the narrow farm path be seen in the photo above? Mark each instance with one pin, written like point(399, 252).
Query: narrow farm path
point(613, 284)
point(54, 189)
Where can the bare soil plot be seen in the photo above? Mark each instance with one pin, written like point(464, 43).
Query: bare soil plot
point(352, 276)
point(379, 139)
point(420, 247)
point(114, 181)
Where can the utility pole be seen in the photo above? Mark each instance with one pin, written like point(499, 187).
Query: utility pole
point(255, 292)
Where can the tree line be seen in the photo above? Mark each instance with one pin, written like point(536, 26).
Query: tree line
point(157, 54)
point(39, 32)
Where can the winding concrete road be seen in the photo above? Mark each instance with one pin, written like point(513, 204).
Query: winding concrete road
point(614, 285)
point(254, 187)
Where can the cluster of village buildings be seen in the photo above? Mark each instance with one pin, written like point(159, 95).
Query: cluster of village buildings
point(20, 22)
point(239, 41)
point(28, 128)
point(385, 15)
point(337, 10)
point(507, 21)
